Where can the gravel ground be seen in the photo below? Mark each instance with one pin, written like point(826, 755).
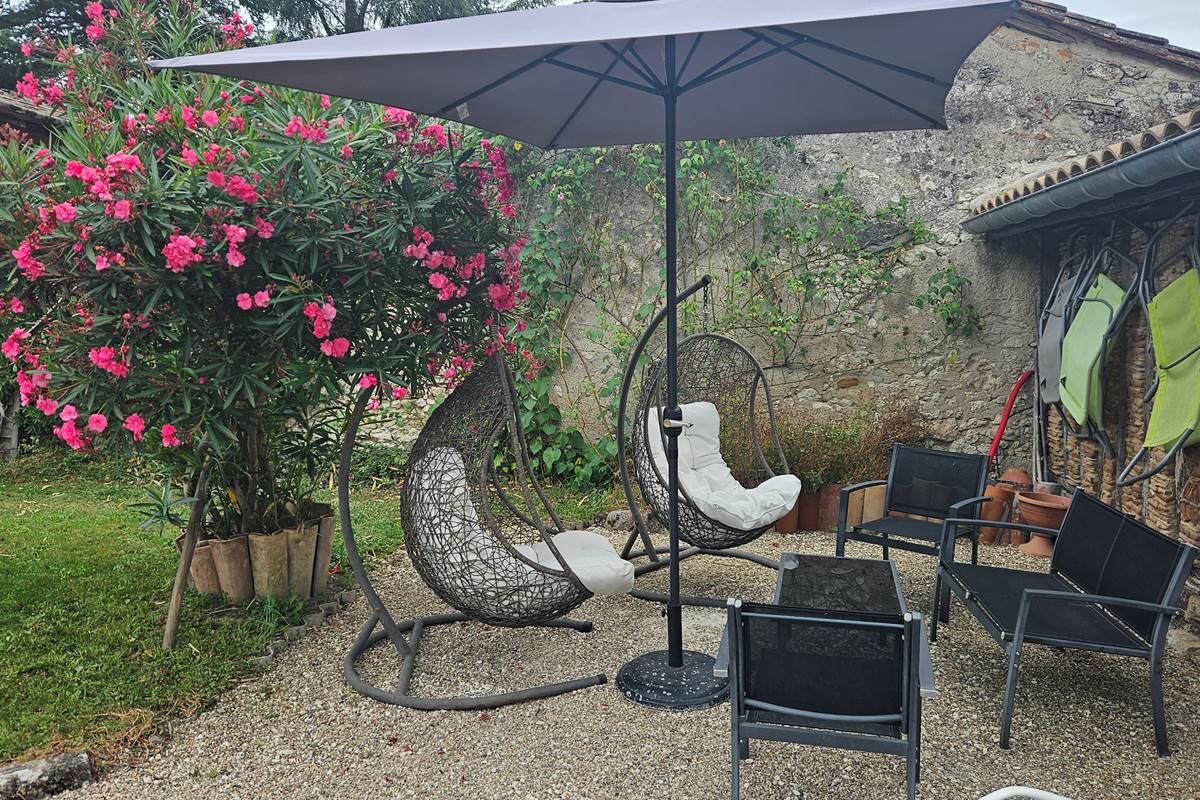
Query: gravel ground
point(1082, 726)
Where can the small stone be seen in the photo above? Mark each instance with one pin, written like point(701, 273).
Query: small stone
point(43, 777)
point(329, 609)
point(620, 520)
point(276, 647)
point(261, 662)
point(294, 633)
point(314, 619)
point(347, 597)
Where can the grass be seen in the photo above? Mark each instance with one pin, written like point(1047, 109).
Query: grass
point(84, 600)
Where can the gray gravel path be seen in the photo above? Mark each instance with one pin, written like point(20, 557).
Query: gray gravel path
point(1082, 726)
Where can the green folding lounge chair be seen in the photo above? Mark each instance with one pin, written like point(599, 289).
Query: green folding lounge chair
point(1174, 316)
point(1084, 347)
point(1054, 319)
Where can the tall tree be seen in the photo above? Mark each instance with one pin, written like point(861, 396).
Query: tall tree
point(306, 18)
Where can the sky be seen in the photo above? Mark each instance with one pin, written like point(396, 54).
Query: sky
point(1177, 20)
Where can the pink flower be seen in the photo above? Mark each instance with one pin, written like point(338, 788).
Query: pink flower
point(11, 347)
point(106, 359)
point(26, 49)
point(47, 406)
point(210, 118)
point(97, 423)
point(169, 439)
point(235, 234)
point(244, 302)
point(121, 209)
point(367, 381)
point(70, 434)
point(262, 298)
point(347, 152)
point(502, 296)
point(64, 212)
point(189, 156)
point(16, 306)
point(324, 101)
point(101, 262)
point(135, 425)
point(69, 413)
point(265, 229)
point(234, 257)
point(399, 393)
point(181, 251)
point(335, 348)
point(216, 178)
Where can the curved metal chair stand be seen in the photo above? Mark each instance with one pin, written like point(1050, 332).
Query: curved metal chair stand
point(472, 419)
point(701, 534)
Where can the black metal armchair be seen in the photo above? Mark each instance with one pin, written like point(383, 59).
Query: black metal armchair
point(1112, 588)
point(921, 482)
point(846, 681)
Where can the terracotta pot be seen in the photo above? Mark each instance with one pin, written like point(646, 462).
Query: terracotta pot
point(808, 512)
point(827, 513)
point(232, 559)
point(1018, 478)
point(320, 576)
point(997, 510)
point(1045, 511)
point(301, 551)
point(204, 571)
point(788, 522)
point(269, 564)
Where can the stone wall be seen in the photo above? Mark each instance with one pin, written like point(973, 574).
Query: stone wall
point(1023, 100)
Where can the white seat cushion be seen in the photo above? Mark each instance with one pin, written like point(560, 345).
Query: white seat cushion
point(706, 478)
point(591, 557)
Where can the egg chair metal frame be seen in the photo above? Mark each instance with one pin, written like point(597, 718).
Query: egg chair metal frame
point(472, 420)
point(702, 534)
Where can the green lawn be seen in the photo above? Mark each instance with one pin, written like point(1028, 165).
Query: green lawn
point(83, 597)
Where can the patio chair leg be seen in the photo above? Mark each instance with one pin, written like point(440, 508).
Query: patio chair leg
point(975, 549)
point(735, 766)
point(885, 547)
point(935, 607)
point(744, 749)
point(841, 543)
point(1010, 692)
point(912, 776)
point(1156, 701)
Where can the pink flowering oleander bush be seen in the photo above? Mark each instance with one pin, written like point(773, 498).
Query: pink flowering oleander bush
point(199, 260)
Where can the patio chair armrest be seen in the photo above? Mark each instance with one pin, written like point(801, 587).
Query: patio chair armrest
point(1050, 595)
point(844, 499)
point(963, 505)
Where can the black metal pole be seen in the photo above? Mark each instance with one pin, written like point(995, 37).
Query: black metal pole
point(673, 414)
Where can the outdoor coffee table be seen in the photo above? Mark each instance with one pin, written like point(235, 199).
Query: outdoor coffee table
point(829, 585)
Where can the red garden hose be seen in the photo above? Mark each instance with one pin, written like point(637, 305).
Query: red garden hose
point(1008, 407)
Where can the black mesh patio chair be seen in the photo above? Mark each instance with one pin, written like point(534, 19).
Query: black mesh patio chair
point(1112, 587)
point(850, 681)
point(921, 482)
point(488, 545)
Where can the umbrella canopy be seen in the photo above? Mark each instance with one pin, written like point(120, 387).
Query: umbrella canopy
point(593, 73)
point(628, 71)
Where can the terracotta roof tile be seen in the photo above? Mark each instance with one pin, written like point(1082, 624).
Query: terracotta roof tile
point(1176, 126)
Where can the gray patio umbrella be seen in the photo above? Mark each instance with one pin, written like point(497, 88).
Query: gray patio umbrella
point(628, 71)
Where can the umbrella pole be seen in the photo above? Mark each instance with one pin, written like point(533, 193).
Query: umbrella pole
point(673, 678)
point(673, 413)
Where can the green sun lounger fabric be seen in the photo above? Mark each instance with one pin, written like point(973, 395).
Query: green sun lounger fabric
point(1084, 347)
point(1175, 329)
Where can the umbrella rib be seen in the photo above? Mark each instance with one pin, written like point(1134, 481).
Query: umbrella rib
point(866, 88)
point(641, 73)
point(591, 73)
point(691, 52)
point(708, 76)
point(755, 38)
point(653, 74)
point(619, 57)
point(548, 58)
point(799, 38)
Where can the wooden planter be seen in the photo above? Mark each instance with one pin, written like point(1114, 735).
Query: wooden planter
point(301, 551)
point(808, 512)
point(269, 563)
point(203, 571)
point(827, 507)
point(324, 525)
point(232, 560)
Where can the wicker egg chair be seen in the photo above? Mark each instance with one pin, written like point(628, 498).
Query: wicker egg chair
point(494, 558)
point(716, 370)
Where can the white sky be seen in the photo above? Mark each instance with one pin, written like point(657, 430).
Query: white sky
point(1177, 20)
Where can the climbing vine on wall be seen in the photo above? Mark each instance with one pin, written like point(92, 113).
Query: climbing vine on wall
point(795, 270)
